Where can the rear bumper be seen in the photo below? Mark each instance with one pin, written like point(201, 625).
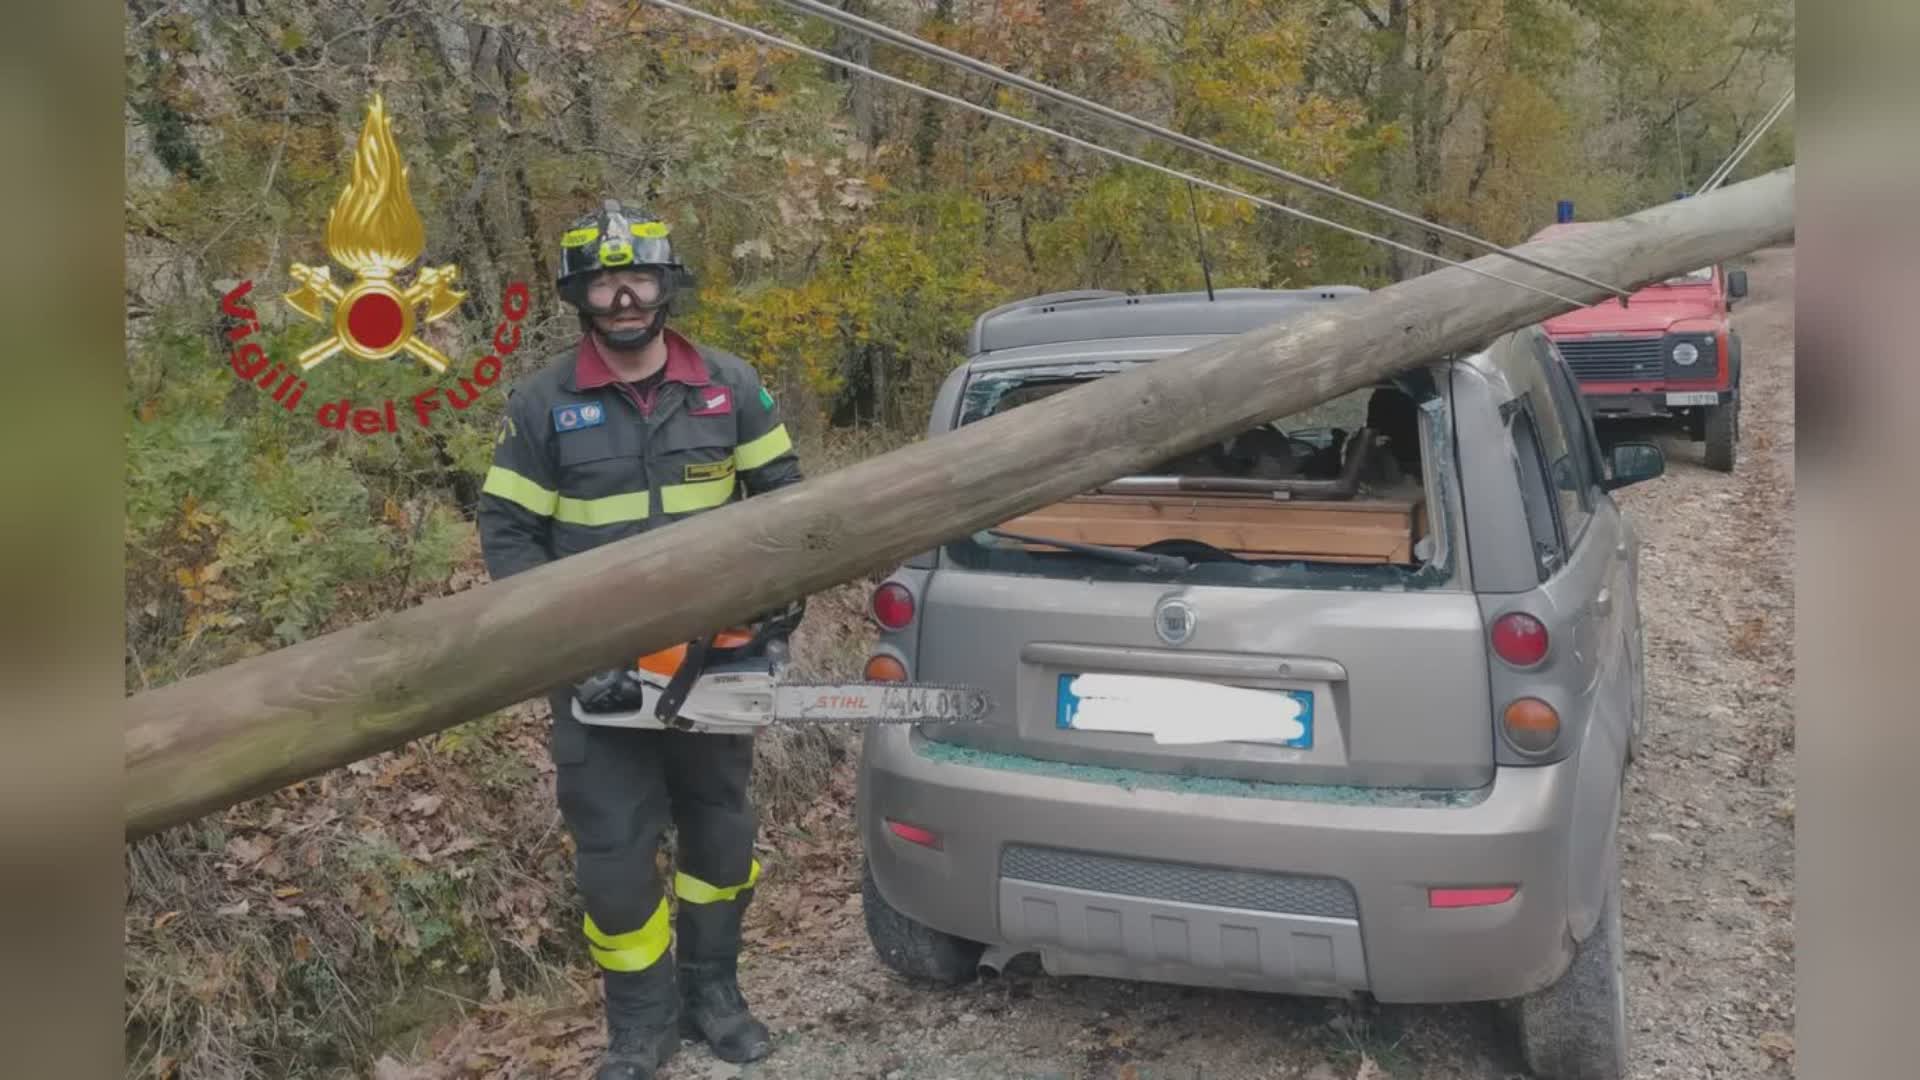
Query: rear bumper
point(1228, 890)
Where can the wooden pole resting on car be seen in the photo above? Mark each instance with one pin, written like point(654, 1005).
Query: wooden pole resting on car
point(210, 741)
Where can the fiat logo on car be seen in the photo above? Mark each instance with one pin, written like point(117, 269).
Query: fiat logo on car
point(1173, 620)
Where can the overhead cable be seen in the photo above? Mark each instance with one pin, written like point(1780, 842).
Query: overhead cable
point(1747, 144)
point(928, 49)
point(773, 39)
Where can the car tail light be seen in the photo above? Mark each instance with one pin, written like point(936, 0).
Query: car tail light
point(1532, 725)
point(884, 668)
point(1480, 897)
point(1520, 639)
point(893, 606)
point(914, 834)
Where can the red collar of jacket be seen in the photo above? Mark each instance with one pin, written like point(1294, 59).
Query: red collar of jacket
point(684, 366)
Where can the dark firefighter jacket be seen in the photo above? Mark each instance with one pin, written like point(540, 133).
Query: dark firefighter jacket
point(582, 459)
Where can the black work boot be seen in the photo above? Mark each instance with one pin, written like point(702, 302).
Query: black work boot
point(712, 1008)
point(643, 1028)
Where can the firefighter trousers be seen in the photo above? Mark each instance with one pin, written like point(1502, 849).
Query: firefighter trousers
point(619, 790)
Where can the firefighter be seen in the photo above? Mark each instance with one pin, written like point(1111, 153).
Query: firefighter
point(631, 429)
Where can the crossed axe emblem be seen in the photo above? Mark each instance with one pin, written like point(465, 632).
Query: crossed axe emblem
point(371, 318)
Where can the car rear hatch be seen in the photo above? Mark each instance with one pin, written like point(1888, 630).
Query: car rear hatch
point(1361, 668)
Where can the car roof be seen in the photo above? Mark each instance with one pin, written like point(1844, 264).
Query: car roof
point(1088, 315)
point(1090, 351)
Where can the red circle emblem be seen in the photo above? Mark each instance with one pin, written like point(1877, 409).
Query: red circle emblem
point(375, 320)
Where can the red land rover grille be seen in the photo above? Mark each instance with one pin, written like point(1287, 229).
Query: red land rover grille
point(1614, 359)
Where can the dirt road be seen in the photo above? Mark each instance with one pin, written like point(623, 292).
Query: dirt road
point(1708, 866)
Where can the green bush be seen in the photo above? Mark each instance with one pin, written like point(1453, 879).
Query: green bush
point(249, 527)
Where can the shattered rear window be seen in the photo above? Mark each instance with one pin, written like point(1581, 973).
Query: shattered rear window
point(1250, 494)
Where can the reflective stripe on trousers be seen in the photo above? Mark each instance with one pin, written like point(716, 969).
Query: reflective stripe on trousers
point(635, 950)
point(692, 890)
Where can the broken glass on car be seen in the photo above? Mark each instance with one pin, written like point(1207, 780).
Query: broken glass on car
point(1334, 495)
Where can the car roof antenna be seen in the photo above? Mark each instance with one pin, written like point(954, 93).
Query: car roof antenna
point(1201, 239)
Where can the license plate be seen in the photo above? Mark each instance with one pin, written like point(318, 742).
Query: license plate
point(1184, 711)
point(1701, 397)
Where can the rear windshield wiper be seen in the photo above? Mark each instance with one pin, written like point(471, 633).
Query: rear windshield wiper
point(1145, 560)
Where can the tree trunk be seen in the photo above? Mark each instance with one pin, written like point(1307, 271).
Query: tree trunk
point(483, 122)
point(205, 743)
point(1428, 109)
point(517, 153)
point(1397, 92)
point(451, 241)
point(926, 139)
point(858, 48)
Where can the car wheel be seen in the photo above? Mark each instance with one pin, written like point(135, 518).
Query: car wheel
point(1576, 1029)
point(1723, 435)
point(912, 949)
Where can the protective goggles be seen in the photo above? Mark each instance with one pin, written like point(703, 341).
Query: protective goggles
point(608, 292)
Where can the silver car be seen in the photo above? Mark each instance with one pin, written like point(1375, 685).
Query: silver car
point(1340, 705)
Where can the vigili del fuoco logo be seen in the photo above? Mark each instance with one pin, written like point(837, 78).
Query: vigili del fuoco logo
point(376, 234)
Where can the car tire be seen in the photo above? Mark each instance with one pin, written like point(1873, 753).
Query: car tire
point(912, 949)
point(1576, 1029)
point(1723, 435)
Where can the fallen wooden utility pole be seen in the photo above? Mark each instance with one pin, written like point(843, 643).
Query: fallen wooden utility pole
point(213, 740)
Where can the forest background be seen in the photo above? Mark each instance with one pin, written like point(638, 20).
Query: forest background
point(844, 234)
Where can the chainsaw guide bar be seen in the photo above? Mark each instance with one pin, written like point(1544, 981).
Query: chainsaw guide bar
point(740, 702)
point(878, 703)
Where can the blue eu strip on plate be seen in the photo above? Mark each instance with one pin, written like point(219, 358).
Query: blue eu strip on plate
point(1067, 712)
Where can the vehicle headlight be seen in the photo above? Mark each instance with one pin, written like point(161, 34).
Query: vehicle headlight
point(1686, 353)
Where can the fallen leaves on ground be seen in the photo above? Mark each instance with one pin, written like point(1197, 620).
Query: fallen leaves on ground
point(1777, 1044)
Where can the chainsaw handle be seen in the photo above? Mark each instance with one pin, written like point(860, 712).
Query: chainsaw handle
point(675, 695)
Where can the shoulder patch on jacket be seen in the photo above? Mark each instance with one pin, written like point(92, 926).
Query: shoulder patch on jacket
point(715, 400)
point(580, 414)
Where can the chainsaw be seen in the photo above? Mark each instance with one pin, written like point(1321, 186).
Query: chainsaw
point(731, 683)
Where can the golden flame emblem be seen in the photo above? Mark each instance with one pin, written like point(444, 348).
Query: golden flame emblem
point(374, 231)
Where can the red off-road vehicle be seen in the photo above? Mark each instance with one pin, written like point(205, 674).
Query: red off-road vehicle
point(1669, 353)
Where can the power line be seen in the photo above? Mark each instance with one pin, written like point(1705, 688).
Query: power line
point(995, 114)
point(1747, 144)
point(1007, 78)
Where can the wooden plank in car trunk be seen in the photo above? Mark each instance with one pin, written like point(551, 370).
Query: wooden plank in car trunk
point(1363, 530)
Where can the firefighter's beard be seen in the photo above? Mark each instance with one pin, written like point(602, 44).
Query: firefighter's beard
point(632, 338)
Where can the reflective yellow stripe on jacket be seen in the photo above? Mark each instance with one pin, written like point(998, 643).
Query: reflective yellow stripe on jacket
point(635, 950)
point(517, 489)
point(608, 510)
point(700, 495)
point(694, 891)
point(757, 452)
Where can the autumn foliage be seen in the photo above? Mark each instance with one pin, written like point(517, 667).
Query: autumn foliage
point(844, 234)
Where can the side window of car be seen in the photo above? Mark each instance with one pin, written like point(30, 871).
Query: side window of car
point(1536, 492)
point(1580, 418)
point(1565, 465)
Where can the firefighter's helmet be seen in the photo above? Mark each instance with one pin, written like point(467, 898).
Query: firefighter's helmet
point(616, 238)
